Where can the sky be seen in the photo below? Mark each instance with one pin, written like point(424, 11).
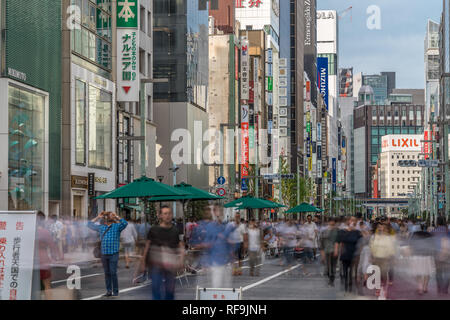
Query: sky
point(399, 44)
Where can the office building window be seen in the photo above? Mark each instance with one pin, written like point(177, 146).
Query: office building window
point(80, 122)
point(100, 128)
point(142, 18)
point(92, 35)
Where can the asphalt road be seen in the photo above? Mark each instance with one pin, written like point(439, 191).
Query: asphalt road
point(273, 283)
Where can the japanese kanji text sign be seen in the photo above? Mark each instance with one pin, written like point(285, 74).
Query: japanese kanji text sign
point(128, 81)
point(17, 242)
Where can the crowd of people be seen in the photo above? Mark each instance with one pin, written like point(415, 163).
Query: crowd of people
point(350, 248)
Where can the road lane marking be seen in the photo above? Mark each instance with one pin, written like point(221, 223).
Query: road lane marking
point(131, 288)
point(270, 278)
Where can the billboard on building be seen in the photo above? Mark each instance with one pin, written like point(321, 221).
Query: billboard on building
point(245, 156)
point(128, 82)
point(401, 142)
point(346, 82)
point(322, 76)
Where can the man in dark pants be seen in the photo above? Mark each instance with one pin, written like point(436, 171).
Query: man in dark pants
point(329, 250)
point(164, 254)
point(442, 256)
point(109, 232)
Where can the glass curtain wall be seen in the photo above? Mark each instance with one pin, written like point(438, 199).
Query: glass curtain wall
point(26, 154)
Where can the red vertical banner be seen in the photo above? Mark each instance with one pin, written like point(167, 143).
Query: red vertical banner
point(426, 144)
point(251, 98)
point(244, 141)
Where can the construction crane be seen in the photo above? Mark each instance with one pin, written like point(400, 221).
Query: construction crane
point(344, 13)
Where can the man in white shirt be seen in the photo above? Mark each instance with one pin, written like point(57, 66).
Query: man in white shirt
point(239, 238)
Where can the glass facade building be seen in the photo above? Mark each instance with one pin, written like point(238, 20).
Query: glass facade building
point(181, 51)
point(92, 34)
point(379, 84)
point(26, 152)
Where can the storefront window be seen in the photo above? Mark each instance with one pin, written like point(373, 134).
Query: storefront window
point(80, 122)
point(100, 128)
point(26, 112)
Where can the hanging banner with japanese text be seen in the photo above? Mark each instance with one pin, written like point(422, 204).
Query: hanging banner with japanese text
point(245, 69)
point(128, 81)
point(17, 238)
point(245, 156)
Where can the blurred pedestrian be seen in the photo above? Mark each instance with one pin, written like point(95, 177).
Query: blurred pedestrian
point(164, 254)
point(383, 249)
point(348, 239)
point(422, 258)
point(442, 255)
point(109, 230)
point(329, 250)
point(254, 247)
point(239, 238)
point(57, 231)
point(45, 243)
point(128, 238)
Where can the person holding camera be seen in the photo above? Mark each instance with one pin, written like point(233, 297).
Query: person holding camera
point(109, 231)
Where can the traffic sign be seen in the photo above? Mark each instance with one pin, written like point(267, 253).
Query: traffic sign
point(221, 192)
point(221, 180)
point(244, 186)
point(428, 163)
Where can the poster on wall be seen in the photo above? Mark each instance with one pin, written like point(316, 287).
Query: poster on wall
point(17, 239)
point(128, 81)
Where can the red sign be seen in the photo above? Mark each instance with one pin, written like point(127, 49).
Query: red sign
point(426, 144)
point(221, 192)
point(251, 98)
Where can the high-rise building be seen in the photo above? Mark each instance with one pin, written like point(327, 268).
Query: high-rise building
point(382, 84)
point(399, 172)
point(88, 108)
point(371, 123)
point(180, 34)
point(442, 175)
point(30, 102)
point(297, 67)
point(328, 48)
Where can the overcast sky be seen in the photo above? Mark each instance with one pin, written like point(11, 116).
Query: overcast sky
point(399, 44)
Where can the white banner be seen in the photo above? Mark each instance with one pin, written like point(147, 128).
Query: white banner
point(17, 238)
point(128, 82)
point(245, 70)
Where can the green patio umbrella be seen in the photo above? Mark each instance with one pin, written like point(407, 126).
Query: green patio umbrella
point(248, 202)
point(273, 204)
point(304, 207)
point(192, 193)
point(143, 188)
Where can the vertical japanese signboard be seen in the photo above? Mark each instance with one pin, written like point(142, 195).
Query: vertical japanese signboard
point(17, 239)
point(244, 141)
point(322, 78)
point(245, 86)
point(127, 51)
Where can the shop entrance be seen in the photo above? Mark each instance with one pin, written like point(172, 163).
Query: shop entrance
point(78, 207)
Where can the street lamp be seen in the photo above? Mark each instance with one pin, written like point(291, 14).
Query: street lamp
point(174, 169)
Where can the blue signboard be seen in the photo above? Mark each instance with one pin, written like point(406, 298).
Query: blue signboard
point(244, 185)
point(319, 152)
point(322, 78)
point(221, 180)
